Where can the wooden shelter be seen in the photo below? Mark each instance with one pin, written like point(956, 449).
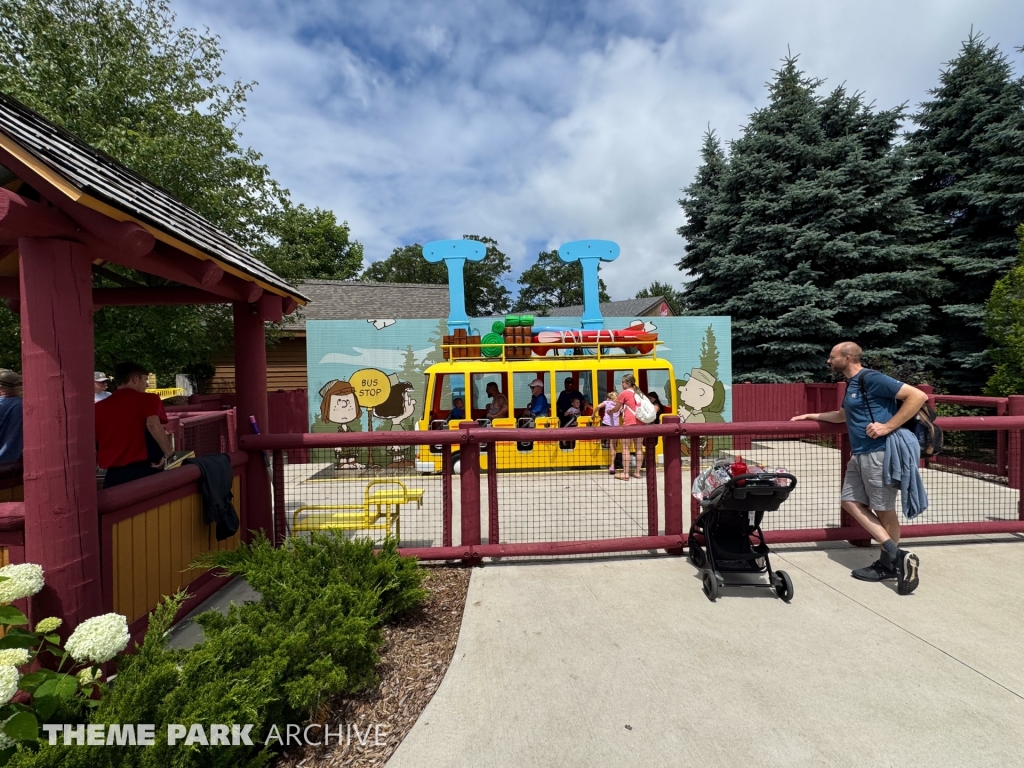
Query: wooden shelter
point(65, 210)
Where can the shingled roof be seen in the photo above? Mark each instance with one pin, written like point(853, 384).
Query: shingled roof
point(646, 307)
point(103, 178)
point(361, 300)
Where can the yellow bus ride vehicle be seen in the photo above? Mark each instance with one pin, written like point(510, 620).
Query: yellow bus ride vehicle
point(592, 375)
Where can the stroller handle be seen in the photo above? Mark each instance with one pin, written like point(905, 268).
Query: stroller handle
point(733, 481)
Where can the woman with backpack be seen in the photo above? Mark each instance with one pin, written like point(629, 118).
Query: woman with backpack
point(627, 406)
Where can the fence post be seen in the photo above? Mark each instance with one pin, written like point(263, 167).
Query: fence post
point(446, 495)
point(1001, 466)
point(1015, 456)
point(651, 464)
point(492, 493)
point(694, 472)
point(672, 449)
point(280, 514)
point(469, 461)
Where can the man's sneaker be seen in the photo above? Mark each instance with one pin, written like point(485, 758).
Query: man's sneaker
point(877, 571)
point(907, 565)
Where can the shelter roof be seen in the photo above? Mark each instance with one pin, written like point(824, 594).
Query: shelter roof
point(90, 177)
point(646, 307)
point(363, 300)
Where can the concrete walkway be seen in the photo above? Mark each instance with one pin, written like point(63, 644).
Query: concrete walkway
point(624, 662)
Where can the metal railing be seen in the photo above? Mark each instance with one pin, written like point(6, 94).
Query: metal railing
point(368, 484)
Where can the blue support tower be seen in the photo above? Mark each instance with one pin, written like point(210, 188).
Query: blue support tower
point(455, 253)
point(590, 253)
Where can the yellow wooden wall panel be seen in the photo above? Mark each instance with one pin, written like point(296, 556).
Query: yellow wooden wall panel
point(17, 493)
point(5, 558)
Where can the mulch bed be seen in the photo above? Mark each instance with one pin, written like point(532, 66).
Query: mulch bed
point(415, 656)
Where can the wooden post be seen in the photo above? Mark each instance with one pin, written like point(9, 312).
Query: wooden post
point(1015, 449)
point(61, 521)
point(251, 393)
point(469, 463)
point(673, 484)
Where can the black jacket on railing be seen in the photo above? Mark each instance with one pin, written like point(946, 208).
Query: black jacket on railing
point(216, 487)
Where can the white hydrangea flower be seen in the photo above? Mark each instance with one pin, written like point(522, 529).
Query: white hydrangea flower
point(46, 626)
point(21, 580)
point(9, 677)
point(98, 639)
point(14, 657)
point(89, 676)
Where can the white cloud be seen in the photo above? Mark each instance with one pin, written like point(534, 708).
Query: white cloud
point(416, 121)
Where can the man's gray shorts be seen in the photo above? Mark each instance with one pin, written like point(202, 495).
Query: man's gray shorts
point(864, 483)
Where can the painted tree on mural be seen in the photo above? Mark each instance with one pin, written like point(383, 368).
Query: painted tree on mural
point(709, 352)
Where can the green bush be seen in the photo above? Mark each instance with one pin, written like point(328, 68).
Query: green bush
point(314, 635)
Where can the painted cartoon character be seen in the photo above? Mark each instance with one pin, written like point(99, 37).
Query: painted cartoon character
point(701, 398)
point(340, 406)
point(397, 408)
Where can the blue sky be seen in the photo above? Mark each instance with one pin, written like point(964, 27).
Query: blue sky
point(536, 123)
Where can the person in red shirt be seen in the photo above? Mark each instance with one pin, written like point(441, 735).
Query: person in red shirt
point(130, 439)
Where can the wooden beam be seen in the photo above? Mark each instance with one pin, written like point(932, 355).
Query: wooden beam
point(132, 297)
point(25, 218)
point(270, 308)
point(288, 305)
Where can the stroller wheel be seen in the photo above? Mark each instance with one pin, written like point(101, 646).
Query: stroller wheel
point(696, 553)
point(784, 587)
point(710, 585)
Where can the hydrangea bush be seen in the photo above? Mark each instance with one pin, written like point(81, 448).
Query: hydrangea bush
point(95, 641)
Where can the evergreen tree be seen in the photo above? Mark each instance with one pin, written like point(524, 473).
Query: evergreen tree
point(970, 177)
point(811, 236)
point(698, 202)
point(551, 282)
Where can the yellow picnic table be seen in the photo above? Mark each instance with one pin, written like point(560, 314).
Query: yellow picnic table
point(384, 501)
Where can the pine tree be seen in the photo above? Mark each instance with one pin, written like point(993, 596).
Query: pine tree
point(970, 178)
point(698, 202)
point(811, 236)
point(1004, 323)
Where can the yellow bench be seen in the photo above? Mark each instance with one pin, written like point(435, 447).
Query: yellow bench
point(383, 502)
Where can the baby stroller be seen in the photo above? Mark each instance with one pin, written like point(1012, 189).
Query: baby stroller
point(729, 518)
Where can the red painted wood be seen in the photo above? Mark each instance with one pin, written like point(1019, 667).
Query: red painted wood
point(446, 495)
point(251, 393)
point(61, 520)
point(469, 460)
point(280, 509)
point(289, 305)
point(270, 307)
point(492, 494)
point(767, 402)
point(671, 445)
point(651, 475)
point(25, 218)
point(132, 297)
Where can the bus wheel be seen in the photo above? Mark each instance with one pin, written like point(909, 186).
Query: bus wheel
point(456, 464)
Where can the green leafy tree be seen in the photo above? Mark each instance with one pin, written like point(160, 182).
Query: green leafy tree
point(808, 235)
point(130, 81)
point(709, 352)
point(673, 296)
point(486, 294)
point(967, 151)
point(551, 282)
point(310, 243)
point(1004, 323)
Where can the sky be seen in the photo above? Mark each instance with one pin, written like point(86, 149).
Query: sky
point(537, 123)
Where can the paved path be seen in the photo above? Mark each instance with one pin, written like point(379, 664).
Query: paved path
point(624, 662)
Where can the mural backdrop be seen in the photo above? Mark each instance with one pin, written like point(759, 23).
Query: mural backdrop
point(368, 374)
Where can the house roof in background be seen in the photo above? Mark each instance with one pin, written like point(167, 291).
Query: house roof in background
point(646, 307)
point(362, 300)
point(104, 179)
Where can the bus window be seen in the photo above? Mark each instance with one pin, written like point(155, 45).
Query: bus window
point(657, 381)
point(521, 389)
point(480, 399)
point(446, 387)
point(581, 381)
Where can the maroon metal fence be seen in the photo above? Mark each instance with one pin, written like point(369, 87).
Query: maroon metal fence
point(556, 509)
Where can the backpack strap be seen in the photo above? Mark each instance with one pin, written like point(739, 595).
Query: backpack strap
point(864, 391)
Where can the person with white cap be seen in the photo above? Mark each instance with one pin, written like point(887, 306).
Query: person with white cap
point(11, 429)
point(100, 381)
point(539, 405)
